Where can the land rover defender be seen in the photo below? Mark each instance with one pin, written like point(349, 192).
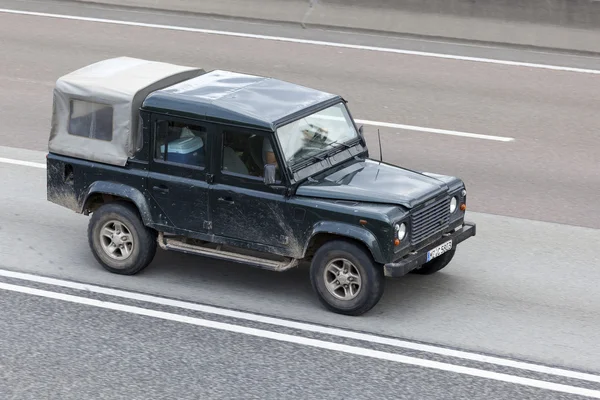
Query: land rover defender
point(242, 168)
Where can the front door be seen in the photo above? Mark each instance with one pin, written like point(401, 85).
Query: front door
point(243, 208)
point(177, 179)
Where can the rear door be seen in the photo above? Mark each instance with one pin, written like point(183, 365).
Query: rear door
point(178, 171)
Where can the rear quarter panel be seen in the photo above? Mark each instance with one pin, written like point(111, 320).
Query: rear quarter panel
point(70, 181)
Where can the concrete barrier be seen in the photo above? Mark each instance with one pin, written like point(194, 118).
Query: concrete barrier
point(559, 24)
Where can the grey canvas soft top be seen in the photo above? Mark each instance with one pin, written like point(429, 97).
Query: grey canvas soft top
point(95, 108)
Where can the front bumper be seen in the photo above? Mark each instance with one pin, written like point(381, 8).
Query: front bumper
point(417, 258)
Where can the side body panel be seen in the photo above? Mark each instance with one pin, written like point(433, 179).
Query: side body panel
point(71, 182)
point(177, 183)
point(368, 223)
point(243, 208)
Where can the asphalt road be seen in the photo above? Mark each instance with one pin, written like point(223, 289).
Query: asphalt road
point(65, 350)
point(549, 173)
point(524, 288)
point(510, 292)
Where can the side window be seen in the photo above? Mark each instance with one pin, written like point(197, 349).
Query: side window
point(180, 143)
point(91, 120)
point(244, 153)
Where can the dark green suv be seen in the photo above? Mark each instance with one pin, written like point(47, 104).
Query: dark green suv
point(246, 169)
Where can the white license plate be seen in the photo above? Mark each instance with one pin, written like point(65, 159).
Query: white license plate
point(438, 251)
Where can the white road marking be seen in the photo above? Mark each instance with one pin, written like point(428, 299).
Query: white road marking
point(25, 80)
point(223, 312)
point(306, 41)
point(306, 341)
point(418, 128)
point(434, 130)
point(23, 163)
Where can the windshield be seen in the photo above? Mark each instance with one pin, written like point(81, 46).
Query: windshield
point(316, 133)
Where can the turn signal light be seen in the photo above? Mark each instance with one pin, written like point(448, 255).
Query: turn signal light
point(463, 207)
point(397, 242)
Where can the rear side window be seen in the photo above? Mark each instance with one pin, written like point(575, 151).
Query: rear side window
point(180, 143)
point(91, 120)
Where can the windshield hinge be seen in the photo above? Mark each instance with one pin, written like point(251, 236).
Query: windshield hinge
point(210, 178)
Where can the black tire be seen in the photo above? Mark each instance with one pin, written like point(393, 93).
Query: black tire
point(434, 266)
point(143, 246)
point(371, 275)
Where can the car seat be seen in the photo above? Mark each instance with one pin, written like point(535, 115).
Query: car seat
point(255, 144)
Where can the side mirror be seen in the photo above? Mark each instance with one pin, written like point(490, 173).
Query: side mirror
point(363, 141)
point(269, 175)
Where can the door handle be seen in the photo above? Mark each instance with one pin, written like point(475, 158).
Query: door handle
point(227, 200)
point(161, 189)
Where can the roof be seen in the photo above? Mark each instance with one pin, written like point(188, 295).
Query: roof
point(106, 118)
point(235, 97)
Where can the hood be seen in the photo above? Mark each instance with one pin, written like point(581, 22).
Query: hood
point(369, 181)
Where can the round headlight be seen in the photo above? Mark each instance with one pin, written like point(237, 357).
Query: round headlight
point(401, 230)
point(453, 204)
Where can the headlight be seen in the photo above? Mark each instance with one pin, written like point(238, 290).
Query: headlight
point(401, 230)
point(453, 204)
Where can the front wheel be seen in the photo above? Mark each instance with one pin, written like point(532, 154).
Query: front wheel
point(119, 240)
point(345, 278)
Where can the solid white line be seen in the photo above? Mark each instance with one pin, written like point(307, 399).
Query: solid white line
point(306, 41)
point(301, 326)
point(306, 341)
point(23, 163)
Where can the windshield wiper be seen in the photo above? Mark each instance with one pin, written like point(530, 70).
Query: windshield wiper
point(350, 145)
point(338, 142)
point(319, 157)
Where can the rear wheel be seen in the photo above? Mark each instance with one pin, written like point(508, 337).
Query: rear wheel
point(345, 278)
point(119, 240)
point(436, 264)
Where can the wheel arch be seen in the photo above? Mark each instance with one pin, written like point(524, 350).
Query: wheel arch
point(103, 192)
point(324, 232)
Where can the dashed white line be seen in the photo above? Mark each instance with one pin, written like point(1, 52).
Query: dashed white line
point(306, 41)
point(303, 326)
point(434, 130)
point(21, 162)
point(282, 337)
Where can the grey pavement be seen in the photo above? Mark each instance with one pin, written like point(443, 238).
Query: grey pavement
point(511, 291)
point(549, 173)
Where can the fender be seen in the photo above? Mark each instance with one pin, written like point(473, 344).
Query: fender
point(121, 190)
point(351, 231)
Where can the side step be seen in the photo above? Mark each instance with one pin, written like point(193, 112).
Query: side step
point(273, 265)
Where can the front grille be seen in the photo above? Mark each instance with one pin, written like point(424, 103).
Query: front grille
point(428, 220)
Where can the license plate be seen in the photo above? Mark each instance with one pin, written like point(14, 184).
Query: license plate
point(438, 251)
